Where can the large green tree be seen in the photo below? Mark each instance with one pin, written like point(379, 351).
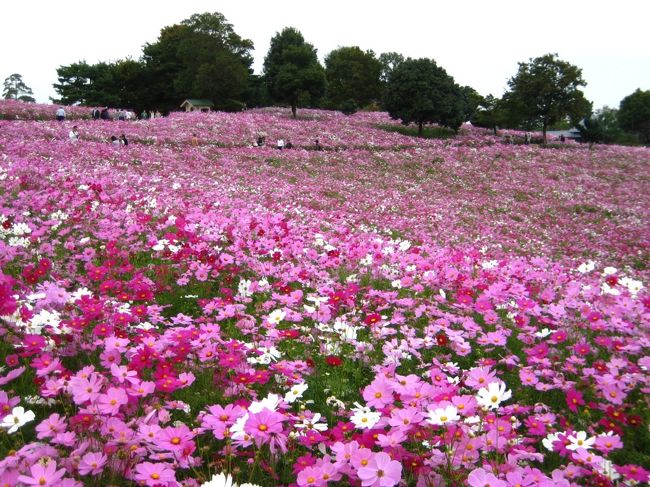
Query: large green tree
point(419, 91)
point(634, 114)
point(203, 57)
point(545, 91)
point(16, 89)
point(292, 72)
point(352, 77)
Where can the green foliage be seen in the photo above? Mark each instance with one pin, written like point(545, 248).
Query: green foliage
point(545, 91)
point(202, 57)
point(16, 89)
point(352, 78)
point(488, 114)
point(292, 72)
point(389, 61)
point(634, 114)
point(472, 101)
point(419, 91)
point(601, 127)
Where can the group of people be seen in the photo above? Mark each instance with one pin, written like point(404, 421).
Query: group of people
point(122, 140)
point(281, 144)
point(105, 114)
point(73, 135)
point(151, 114)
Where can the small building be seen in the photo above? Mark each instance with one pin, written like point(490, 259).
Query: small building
point(196, 105)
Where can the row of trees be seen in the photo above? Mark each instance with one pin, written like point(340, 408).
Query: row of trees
point(203, 57)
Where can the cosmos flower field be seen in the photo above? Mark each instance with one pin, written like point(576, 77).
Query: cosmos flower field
point(388, 311)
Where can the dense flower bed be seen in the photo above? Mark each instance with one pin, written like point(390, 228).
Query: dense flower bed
point(388, 311)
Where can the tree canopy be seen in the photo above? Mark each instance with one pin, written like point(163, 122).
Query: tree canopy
point(16, 89)
point(352, 77)
point(634, 114)
point(419, 91)
point(202, 57)
point(292, 72)
point(545, 91)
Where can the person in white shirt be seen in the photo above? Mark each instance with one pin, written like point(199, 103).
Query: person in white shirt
point(60, 114)
point(74, 134)
point(280, 144)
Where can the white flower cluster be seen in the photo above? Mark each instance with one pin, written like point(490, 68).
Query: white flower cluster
point(16, 234)
point(162, 243)
point(58, 216)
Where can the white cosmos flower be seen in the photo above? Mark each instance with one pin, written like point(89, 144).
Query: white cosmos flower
point(440, 416)
point(632, 285)
point(312, 423)
point(220, 480)
point(588, 266)
point(365, 418)
point(244, 288)
point(493, 395)
point(543, 333)
point(270, 402)
point(276, 316)
point(549, 440)
point(18, 417)
point(580, 440)
point(295, 392)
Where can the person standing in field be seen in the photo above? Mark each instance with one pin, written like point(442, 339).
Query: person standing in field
point(60, 114)
point(280, 144)
point(74, 134)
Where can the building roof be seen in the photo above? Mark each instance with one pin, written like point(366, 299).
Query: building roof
point(197, 102)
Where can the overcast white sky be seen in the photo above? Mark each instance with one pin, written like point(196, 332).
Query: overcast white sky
point(478, 42)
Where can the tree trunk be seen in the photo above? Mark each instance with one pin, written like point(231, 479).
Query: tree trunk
point(420, 128)
point(544, 132)
point(293, 109)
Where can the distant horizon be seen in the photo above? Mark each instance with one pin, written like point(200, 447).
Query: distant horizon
point(479, 44)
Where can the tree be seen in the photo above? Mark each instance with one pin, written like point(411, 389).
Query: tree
point(16, 89)
point(634, 114)
point(601, 127)
point(389, 61)
point(419, 91)
point(292, 71)
point(352, 77)
point(203, 57)
point(545, 91)
point(472, 102)
point(488, 114)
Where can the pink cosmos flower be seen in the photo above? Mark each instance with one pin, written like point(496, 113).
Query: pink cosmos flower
point(310, 477)
point(43, 476)
point(263, 424)
point(92, 463)
point(378, 393)
point(481, 478)
point(479, 377)
point(84, 389)
point(154, 474)
point(111, 402)
point(51, 426)
point(175, 439)
point(381, 471)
